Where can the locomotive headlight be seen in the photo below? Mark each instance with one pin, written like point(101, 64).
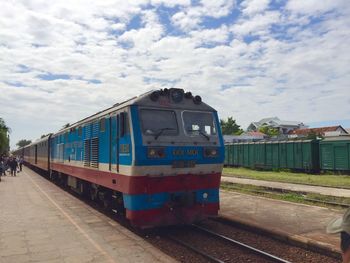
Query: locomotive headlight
point(176, 95)
point(211, 152)
point(205, 195)
point(152, 152)
point(156, 152)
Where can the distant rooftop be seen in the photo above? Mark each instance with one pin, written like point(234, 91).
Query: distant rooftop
point(276, 122)
point(320, 130)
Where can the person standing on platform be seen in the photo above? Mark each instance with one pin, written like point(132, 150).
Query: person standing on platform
point(342, 225)
point(20, 163)
point(2, 167)
point(13, 166)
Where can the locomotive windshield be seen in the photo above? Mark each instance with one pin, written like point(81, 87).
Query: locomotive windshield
point(199, 123)
point(158, 122)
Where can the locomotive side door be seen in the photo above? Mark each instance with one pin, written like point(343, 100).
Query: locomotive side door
point(122, 140)
point(117, 141)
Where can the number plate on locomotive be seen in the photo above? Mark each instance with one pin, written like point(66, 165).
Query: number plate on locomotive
point(184, 164)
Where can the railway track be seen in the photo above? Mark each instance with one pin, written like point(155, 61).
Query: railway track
point(204, 243)
point(231, 242)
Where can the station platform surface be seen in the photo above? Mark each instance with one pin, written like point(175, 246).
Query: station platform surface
point(339, 192)
point(39, 222)
point(301, 223)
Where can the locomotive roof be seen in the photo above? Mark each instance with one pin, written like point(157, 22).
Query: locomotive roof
point(145, 100)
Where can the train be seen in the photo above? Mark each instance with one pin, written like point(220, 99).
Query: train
point(156, 158)
point(331, 154)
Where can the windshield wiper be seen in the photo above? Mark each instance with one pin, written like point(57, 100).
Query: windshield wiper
point(161, 131)
point(201, 133)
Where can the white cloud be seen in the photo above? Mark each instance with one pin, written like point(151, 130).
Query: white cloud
point(299, 71)
point(191, 17)
point(251, 7)
point(314, 7)
point(257, 25)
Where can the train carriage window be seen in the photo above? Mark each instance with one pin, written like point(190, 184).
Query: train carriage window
point(80, 131)
point(102, 125)
point(158, 122)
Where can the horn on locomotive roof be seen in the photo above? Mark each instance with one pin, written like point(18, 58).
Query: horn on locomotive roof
point(197, 100)
point(176, 95)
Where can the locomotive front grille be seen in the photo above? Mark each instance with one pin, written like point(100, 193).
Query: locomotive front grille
point(86, 152)
point(94, 153)
point(187, 199)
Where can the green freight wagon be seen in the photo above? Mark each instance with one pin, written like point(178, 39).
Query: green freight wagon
point(251, 156)
point(272, 154)
point(245, 155)
point(335, 154)
point(294, 155)
point(240, 150)
point(290, 154)
point(282, 154)
point(230, 161)
point(299, 155)
point(226, 155)
point(310, 152)
point(260, 155)
point(235, 154)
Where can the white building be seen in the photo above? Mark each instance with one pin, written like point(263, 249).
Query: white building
point(283, 126)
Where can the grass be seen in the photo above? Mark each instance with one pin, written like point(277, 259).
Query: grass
point(290, 177)
point(296, 197)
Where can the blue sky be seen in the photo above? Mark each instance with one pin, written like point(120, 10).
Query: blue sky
point(250, 59)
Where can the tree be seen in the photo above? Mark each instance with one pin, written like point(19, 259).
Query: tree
point(230, 127)
point(23, 143)
point(4, 139)
point(44, 135)
point(65, 126)
point(313, 135)
point(270, 131)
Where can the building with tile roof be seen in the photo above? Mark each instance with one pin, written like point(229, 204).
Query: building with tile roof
point(321, 131)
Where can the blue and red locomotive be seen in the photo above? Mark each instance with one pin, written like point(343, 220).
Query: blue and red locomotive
point(157, 158)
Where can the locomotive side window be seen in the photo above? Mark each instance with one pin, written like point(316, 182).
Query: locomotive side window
point(158, 122)
point(102, 124)
point(199, 123)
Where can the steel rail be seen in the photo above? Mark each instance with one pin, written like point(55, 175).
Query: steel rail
point(245, 246)
point(207, 256)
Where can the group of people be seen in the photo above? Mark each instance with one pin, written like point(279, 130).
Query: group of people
point(11, 163)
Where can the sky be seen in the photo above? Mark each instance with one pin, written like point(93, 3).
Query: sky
point(61, 61)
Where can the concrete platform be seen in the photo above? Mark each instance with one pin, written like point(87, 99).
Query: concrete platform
point(339, 192)
point(39, 222)
point(296, 222)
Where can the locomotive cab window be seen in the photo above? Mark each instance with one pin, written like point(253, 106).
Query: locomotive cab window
point(199, 123)
point(158, 122)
